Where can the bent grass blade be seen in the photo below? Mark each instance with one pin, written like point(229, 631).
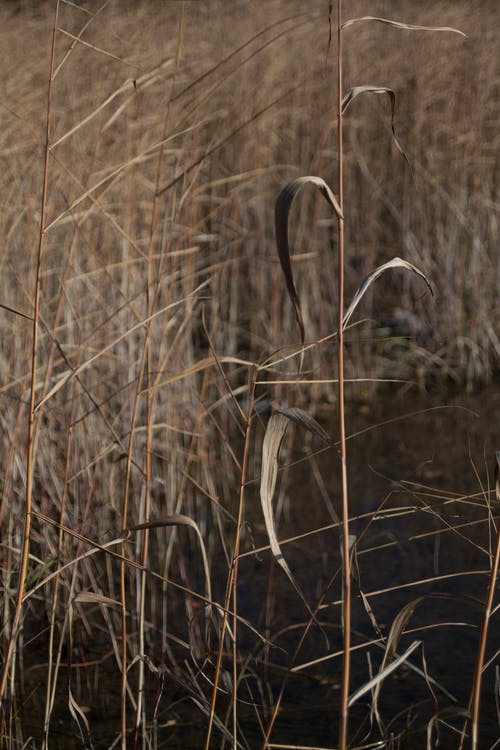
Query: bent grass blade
point(373, 276)
point(281, 212)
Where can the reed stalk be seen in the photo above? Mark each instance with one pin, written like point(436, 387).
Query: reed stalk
point(154, 293)
point(25, 551)
point(233, 573)
point(152, 274)
point(475, 701)
point(346, 553)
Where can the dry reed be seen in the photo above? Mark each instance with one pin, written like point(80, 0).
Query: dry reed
point(146, 336)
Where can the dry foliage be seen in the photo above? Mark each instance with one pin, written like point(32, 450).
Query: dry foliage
point(149, 272)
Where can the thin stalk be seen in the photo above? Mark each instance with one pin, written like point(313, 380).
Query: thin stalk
point(266, 745)
point(478, 675)
point(233, 572)
point(150, 304)
point(53, 669)
point(123, 550)
point(235, 644)
point(23, 571)
point(346, 561)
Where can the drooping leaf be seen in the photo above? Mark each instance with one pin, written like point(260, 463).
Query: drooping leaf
point(91, 597)
point(400, 25)
point(303, 419)
point(76, 711)
point(178, 519)
point(273, 438)
point(368, 280)
point(281, 212)
point(78, 715)
point(356, 91)
point(275, 432)
point(398, 625)
point(380, 676)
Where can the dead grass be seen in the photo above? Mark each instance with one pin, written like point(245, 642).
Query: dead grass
point(162, 314)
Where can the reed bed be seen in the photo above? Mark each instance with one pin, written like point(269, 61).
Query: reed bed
point(148, 342)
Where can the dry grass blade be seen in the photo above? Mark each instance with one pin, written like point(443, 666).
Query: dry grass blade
point(79, 716)
point(16, 312)
point(397, 627)
point(273, 439)
point(281, 212)
point(366, 603)
point(356, 91)
point(375, 681)
point(303, 419)
point(373, 276)
point(128, 85)
point(178, 519)
point(69, 374)
point(400, 25)
point(74, 561)
point(217, 146)
point(93, 46)
point(91, 597)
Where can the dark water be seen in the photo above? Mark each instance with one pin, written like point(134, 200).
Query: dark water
point(430, 476)
point(420, 486)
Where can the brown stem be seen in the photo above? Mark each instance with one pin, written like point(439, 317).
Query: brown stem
point(233, 571)
point(150, 305)
point(346, 562)
point(23, 571)
point(476, 689)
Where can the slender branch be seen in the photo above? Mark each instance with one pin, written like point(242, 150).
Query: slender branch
point(233, 571)
point(23, 571)
point(346, 563)
point(151, 299)
point(476, 689)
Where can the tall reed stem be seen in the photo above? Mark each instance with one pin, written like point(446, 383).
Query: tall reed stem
point(495, 564)
point(233, 573)
point(346, 659)
point(23, 571)
point(153, 272)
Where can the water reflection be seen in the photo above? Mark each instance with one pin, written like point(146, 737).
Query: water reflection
point(422, 504)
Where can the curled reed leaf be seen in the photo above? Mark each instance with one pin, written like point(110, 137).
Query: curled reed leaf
point(273, 438)
point(78, 715)
point(368, 280)
point(380, 676)
point(398, 625)
point(303, 419)
point(90, 597)
point(400, 25)
point(178, 519)
point(76, 711)
point(354, 92)
point(281, 212)
point(275, 432)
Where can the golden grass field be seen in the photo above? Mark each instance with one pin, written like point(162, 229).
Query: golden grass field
point(142, 306)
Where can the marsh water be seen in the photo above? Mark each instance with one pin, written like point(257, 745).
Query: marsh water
point(420, 486)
